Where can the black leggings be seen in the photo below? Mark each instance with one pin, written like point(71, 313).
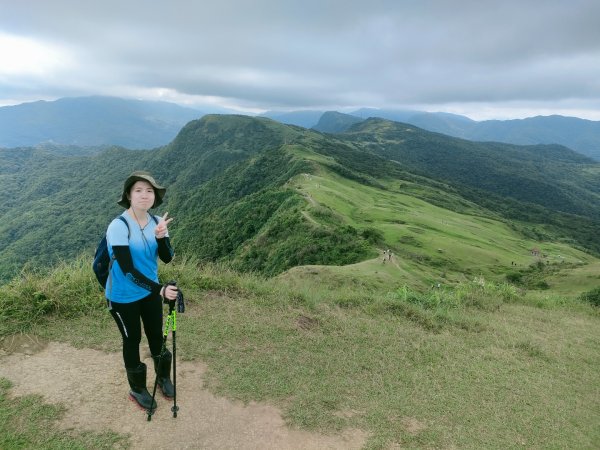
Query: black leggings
point(128, 315)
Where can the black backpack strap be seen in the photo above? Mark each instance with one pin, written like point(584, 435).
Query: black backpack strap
point(113, 259)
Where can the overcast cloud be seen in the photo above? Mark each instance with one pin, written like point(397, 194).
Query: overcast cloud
point(484, 59)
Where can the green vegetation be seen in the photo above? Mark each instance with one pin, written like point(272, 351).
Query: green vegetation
point(592, 297)
point(477, 365)
point(477, 330)
point(226, 174)
point(27, 422)
point(523, 173)
point(434, 245)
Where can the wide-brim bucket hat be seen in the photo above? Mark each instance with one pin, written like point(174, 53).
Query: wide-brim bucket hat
point(140, 175)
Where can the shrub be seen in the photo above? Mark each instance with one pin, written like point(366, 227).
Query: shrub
point(592, 297)
point(372, 235)
point(514, 277)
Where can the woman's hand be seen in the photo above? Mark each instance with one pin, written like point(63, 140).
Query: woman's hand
point(169, 292)
point(161, 229)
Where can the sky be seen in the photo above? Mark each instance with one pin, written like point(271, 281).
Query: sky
point(483, 59)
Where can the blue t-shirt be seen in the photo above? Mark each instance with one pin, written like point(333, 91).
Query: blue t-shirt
point(144, 253)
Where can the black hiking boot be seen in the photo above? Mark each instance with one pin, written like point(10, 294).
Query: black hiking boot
point(163, 373)
point(137, 382)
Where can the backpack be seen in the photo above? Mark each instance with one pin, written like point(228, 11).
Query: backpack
point(102, 260)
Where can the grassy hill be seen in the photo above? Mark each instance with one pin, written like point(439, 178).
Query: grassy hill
point(551, 176)
point(462, 339)
point(231, 191)
point(473, 366)
point(431, 244)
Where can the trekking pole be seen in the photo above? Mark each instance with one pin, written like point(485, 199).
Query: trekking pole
point(180, 309)
point(170, 320)
point(174, 408)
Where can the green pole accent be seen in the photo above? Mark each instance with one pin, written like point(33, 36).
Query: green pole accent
point(167, 325)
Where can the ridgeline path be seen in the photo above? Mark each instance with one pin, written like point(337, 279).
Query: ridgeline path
point(92, 385)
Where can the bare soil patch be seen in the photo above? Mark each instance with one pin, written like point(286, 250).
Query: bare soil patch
point(93, 387)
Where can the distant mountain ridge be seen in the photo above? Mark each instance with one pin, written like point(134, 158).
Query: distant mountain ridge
point(305, 119)
point(577, 134)
point(106, 121)
point(335, 122)
point(93, 121)
point(580, 135)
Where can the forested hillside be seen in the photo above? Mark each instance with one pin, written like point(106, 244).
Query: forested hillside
point(233, 193)
point(548, 175)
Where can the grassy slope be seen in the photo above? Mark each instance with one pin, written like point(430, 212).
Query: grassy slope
point(483, 369)
point(430, 244)
point(546, 175)
point(471, 365)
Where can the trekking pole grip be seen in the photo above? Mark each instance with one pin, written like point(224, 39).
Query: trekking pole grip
point(170, 302)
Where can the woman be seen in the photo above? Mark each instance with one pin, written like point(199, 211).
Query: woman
point(133, 291)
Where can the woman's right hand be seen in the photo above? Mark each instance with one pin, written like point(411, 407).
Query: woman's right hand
point(169, 292)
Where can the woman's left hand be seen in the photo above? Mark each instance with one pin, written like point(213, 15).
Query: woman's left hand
point(161, 229)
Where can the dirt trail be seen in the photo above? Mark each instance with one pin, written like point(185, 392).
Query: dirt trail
point(93, 387)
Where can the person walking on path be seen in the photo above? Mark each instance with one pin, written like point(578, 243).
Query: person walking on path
point(133, 291)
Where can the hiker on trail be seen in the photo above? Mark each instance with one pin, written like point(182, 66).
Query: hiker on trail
point(133, 291)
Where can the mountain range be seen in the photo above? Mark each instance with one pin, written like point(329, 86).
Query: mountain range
point(93, 121)
point(580, 135)
point(135, 124)
point(264, 196)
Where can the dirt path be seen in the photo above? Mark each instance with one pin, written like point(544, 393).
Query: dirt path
point(93, 387)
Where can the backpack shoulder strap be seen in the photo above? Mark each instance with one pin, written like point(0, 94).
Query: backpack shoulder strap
point(113, 259)
point(155, 218)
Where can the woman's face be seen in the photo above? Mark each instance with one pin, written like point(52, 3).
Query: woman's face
point(141, 195)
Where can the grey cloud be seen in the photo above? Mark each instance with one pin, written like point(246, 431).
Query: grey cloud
point(269, 53)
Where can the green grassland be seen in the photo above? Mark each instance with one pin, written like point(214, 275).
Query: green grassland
point(432, 245)
point(469, 366)
point(477, 362)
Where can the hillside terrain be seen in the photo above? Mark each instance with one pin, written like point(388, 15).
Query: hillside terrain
point(541, 174)
point(235, 192)
point(429, 244)
point(318, 357)
point(93, 121)
point(335, 122)
point(578, 134)
point(384, 287)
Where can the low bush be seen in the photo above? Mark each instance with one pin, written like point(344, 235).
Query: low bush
point(514, 277)
point(592, 297)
